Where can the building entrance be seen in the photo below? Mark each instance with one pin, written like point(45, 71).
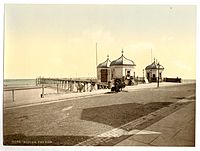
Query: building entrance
point(104, 75)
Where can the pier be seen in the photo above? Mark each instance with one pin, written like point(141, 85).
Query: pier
point(71, 84)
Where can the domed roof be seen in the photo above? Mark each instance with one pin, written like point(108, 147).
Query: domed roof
point(154, 65)
point(122, 61)
point(105, 64)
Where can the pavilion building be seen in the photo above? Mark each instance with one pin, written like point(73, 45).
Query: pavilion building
point(153, 71)
point(121, 68)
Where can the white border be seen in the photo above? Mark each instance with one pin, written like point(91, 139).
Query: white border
point(144, 2)
point(147, 2)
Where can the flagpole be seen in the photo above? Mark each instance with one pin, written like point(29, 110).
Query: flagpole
point(96, 61)
point(96, 55)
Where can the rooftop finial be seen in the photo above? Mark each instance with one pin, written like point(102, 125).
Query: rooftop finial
point(122, 51)
point(107, 56)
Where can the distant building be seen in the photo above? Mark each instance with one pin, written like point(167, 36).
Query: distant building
point(153, 71)
point(119, 68)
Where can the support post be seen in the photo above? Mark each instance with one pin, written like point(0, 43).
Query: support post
point(42, 95)
point(64, 84)
point(87, 87)
point(84, 87)
point(57, 87)
point(91, 87)
point(13, 95)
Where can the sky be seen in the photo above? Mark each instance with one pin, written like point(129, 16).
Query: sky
point(60, 40)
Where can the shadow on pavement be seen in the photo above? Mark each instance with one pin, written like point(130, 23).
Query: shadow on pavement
point(111, 92)
point(48, 140)
point(120, 114)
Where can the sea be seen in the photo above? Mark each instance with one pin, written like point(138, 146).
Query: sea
point(19, 82)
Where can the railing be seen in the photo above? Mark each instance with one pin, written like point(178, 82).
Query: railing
point(71, 82)
point(172, 80)
point(139, 80)
point(13, 90)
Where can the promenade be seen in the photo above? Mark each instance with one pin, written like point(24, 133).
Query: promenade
point(31, 97)
point(141, 115)
point(177, 129)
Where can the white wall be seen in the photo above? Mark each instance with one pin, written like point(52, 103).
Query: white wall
point(154, 71)
point(117, 72)
point(120, 71)
point(131, 69)
point(99, 74)
point(109, 75)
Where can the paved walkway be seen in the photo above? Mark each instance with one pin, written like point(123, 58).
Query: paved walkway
point(177, 129)
point(173, 125)
point(52, 98)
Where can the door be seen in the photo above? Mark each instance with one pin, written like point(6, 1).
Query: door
point(148, 76)
point(104, 75)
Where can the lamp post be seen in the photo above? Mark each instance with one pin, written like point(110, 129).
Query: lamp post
point(158, 74)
